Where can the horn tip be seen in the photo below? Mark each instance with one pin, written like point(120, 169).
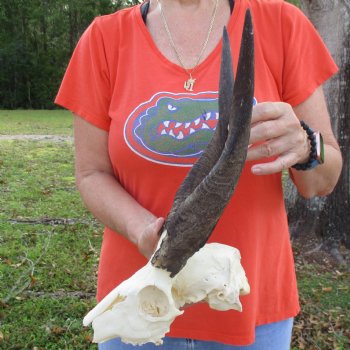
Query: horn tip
point(249, 20)
point(225, 34)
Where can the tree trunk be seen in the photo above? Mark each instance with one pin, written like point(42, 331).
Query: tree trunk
point(329, 217)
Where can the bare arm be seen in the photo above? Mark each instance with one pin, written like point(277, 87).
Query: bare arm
point(104, 196)
point(278, 125)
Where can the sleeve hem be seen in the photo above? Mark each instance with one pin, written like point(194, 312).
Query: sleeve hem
point(90, 116)
point(307, 92)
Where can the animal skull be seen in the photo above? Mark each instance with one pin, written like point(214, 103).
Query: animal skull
point(142, 308)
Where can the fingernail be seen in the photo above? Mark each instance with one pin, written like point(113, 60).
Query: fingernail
point(256, 170)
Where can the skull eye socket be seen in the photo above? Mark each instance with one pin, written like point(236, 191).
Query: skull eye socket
point(153, 302)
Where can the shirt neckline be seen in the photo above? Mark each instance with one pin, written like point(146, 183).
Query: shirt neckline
point(174, 66)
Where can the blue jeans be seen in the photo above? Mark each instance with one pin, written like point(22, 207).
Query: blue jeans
point(273, 336)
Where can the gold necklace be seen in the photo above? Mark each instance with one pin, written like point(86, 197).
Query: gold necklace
point(189, 83)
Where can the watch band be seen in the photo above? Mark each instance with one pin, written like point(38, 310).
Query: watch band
point(316, 156)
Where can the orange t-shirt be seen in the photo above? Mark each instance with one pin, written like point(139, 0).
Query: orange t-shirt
point(120, 82)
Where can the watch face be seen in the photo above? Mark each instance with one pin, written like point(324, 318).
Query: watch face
point(319, 147)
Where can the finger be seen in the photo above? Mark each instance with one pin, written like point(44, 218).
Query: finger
point(154, 227)
point(278, 146)
point(267, 130)
point(271, 120)
point(158, 224)
point(268, 110)
point(281, 163)
point(154, 232)
point(264, 150)
point(149, 238)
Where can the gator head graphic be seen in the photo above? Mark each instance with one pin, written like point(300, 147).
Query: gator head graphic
point(173, 128)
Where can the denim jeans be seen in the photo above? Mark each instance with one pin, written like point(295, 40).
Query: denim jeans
point(273, 336)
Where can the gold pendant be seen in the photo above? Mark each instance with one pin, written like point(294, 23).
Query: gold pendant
point(189, 84)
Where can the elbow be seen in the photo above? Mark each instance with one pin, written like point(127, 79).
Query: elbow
point(78, 182)
point(322, 182)
point(310, 193)
point(81, 178)
point(327, 191)
point(88, 179)
point(321, 189)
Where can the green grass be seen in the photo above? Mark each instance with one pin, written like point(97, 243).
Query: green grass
point(41, 122)
point(43, 265)
point(46, 324)
point(37, 179)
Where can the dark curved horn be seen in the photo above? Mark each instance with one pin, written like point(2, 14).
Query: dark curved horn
point(214, 148)
point(194, 218)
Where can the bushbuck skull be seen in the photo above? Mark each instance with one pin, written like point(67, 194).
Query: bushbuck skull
point(142, 308)
point(184, 270)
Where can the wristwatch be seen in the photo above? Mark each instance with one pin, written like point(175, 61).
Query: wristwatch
point(319, 148)
point(316, 156)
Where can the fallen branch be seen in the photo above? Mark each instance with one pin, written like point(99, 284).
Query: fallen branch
point(51, 221)
point(60, 294)
point(54, 138)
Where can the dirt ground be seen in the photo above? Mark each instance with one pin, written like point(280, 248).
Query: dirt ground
point(309, 249)
point(53, 138)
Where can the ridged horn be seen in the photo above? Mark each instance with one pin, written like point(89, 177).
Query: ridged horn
point(210, 184)
point(214, 148)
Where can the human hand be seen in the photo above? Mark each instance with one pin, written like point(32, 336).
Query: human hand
point(149, 238)
point(277, 130)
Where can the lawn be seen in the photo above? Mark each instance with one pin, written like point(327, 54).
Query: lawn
point(41, 122)
point(49, 247)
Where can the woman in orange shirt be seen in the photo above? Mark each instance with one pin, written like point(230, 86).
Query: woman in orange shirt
point(142, 83)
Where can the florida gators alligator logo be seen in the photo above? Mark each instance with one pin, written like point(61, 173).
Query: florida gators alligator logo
point(172, 129)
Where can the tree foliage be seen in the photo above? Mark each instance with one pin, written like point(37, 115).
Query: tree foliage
point(37, 39)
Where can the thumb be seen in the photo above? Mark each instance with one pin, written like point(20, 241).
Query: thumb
point(150, 237)
point(158, 225)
